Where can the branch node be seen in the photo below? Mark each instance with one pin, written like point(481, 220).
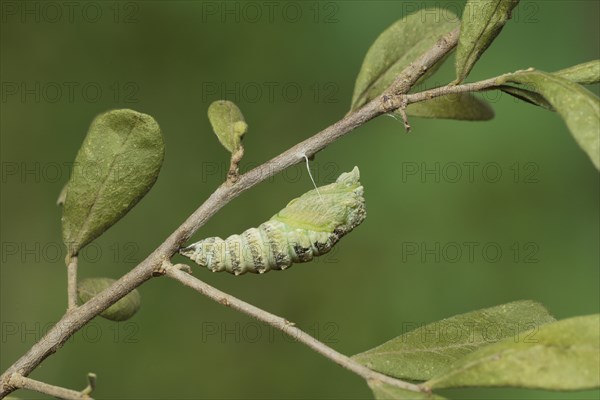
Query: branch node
point(398, 103)
point(167, 264)
point(162, 268)
point(224, 302)
point(424, 389)
point(390, 103)
point(9, 381)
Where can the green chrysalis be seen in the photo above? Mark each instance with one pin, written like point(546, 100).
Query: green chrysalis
point(309, 226)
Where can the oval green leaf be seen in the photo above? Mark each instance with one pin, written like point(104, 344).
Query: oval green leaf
point(398, 46)
point(115, 167)
point(383, 391)
point(228, 124)
point(579, 107)
point(585, 74)
point(460, 106)
point(429, 350)
point(564, 355)
point(482, 21)
point(122, 310)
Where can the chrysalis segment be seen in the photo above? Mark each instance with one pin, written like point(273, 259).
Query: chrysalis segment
point(309, 226)
point(276, 234)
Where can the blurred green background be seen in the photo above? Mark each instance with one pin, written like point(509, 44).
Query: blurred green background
point(290, 66)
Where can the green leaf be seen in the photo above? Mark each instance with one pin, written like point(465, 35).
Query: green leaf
point(383, 391)
point(585, 74)
point(528, 96)
point(399, 45)
point(579, 107)
point(122, 310)
point(564, 355)
point(115, 167)
point(461, 106)
point(228, 123)
point(482, 21)
point(429, 350)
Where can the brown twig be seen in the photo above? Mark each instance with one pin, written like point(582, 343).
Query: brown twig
point(287, 327)
point(19, 381)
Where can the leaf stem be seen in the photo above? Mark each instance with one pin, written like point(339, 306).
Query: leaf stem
point(72, 283)
point(234, 170)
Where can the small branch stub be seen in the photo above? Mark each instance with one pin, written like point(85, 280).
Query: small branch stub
point(402, 112)
point(91, 385)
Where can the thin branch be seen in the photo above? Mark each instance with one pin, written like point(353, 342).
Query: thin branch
point(19, 381)
point(446, 90)
point(287, 327)
point(76, 318)
point(72, 283)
